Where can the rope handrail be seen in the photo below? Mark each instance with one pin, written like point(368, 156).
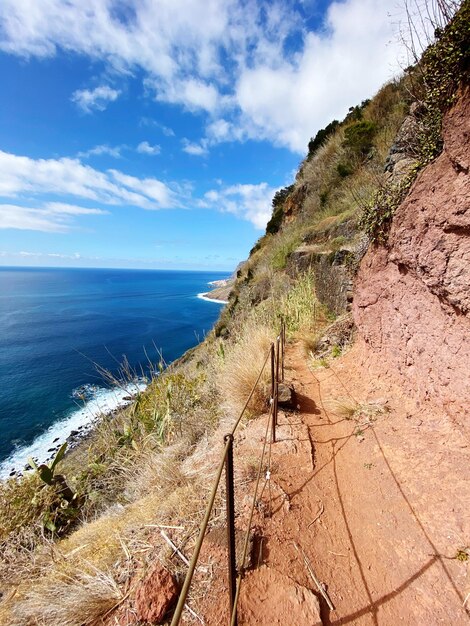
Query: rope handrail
point(197, 549)
point(276, 355)
point(247, 535)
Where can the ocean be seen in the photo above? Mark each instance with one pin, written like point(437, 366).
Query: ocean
point(59, 326)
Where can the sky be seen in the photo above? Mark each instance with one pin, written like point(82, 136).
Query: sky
point(154, 133)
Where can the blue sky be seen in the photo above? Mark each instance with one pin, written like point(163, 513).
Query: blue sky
point(154, 133)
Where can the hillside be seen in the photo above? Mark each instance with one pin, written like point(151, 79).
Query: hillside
point(366, 260)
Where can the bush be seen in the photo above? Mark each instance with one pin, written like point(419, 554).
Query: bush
point(278, 202)
point(282, 249)
point(444, 67)
point(358, 137)
point(243, 363)
point(320, 138)
point(344, 169)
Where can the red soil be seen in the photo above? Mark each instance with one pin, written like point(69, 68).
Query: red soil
point(378, 503)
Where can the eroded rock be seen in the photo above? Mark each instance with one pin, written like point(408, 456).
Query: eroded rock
point(412, 297)
point(155, 595)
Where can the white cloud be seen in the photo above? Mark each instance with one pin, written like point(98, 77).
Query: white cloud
point(232, 61)
point(151, 188)
point(20, 175)
point(193, 94)
point(96, 99)
point(113, 151)
point(21, 218)
point(196, 149)
point(22, 178)
point(52, 217)
point(51, 255)
point(166, 130)
point(249, 202)
point(71, 209)
point(145, 148)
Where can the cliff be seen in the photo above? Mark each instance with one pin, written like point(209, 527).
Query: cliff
point(412, 296)
point(366, 260)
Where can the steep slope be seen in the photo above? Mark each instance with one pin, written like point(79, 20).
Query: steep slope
point(412, 296)
point(351, 233)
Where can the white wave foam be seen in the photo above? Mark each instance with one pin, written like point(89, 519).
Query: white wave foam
point(81, 419)
point(204, 296)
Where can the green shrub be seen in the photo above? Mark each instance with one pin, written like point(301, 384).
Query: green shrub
point(344, 169)
point(323, 198)
point(320, 138)
point(358, 137)
point(282, 252)
point(444, 66)
point(278, 201)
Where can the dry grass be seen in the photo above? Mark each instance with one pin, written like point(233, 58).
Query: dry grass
point(241, 368)
point(345, 408)
point(281, 246)
point(317, 172)
point(76, 600)
point(82, 577)
point(349, 409)
point(134, 476)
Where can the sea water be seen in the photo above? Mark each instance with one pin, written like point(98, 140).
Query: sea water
point(60, 328)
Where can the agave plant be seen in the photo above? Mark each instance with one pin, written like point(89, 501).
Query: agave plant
point(47, 474)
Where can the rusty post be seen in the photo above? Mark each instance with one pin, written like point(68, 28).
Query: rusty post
point(283, 344)
point(272, 373)
point(273, 420)
point(276, 389)
point(230, 507)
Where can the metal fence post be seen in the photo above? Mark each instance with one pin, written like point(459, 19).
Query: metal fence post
point(276, 389)
point(230, 507)
point(272, 373)
point(283, 336)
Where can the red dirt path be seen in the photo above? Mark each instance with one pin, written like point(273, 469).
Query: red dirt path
point(380, 507)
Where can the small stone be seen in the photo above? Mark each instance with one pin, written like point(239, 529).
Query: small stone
point(286, 395)
point(155, 595)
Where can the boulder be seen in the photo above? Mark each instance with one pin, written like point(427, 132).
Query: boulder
point(155, 595)
point(286, 396)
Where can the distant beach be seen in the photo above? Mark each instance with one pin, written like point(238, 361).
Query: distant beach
point(205, 296)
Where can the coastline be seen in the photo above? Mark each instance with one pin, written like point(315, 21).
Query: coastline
point(80, 423)
point(71, 429)
point(205, 296)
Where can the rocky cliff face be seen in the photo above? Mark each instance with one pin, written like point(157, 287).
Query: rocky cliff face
point(412, 297)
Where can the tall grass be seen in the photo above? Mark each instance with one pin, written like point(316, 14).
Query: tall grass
point(240, 369)
point(61, 602)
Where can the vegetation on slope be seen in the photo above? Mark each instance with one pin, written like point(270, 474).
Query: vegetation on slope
point(435, 81)
point(152, 462)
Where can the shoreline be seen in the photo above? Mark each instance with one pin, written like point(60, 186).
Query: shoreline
point(73, 429)
point(78, 425)
point(205, 296)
